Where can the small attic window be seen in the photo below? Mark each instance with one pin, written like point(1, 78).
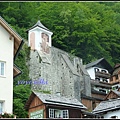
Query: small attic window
point(97, 70)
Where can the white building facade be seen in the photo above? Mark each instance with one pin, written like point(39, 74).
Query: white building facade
point(8, 50)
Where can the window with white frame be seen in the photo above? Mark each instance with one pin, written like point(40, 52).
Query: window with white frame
point(1, 107)
point(51, 113)
point(2, 68)
point(56, 113)
point(65, 114)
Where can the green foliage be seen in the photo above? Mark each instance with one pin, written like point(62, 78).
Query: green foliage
point(89, 30)
point(7, 115)
point(21, 95)
point(21, 63)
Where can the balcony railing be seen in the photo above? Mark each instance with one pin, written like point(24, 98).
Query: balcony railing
point(102, 74)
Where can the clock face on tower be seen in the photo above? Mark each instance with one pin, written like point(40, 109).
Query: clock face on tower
point(45, 43)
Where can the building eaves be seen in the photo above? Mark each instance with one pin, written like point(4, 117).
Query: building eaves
point(93, 63)
point(39, 24)
point(18, 40)
point(55, 100)
point(10, 27)
point(59, 100)
point(16, 71)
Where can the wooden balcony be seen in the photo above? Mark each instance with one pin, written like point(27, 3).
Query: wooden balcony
point(102, 74)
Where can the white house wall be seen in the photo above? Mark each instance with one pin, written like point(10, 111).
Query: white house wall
point(112, 113)
point(91, 72)
point(6, 83)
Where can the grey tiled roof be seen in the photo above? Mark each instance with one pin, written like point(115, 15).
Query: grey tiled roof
point(107, 105)
point(102, 63)
point(12, 29)
point(39, 24)
point(117, 92)
point(59, 100)
point(93, 63)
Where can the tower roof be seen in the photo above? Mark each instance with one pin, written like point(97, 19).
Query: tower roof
point(39, 24)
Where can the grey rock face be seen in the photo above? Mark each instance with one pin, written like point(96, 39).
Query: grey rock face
point(60, 73)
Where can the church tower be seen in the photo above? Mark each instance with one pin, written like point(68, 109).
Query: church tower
point(39, 38)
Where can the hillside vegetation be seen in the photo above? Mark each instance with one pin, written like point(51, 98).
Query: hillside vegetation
point(90, 30)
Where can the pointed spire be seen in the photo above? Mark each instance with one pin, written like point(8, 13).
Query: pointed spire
point(39, 24)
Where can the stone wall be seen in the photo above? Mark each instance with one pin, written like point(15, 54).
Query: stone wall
point(63, 72)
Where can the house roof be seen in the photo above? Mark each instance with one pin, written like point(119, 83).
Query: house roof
point(108, 105)
point(116, 92)
point(117, 65)
point(116, 70)
point(55, 100)
point(16, 71)
point(39, 24)
point(102, 63)
point(112, 91)
point(18, 40)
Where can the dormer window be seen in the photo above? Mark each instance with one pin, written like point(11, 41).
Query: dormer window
point(104, 71)
point(97, 70)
